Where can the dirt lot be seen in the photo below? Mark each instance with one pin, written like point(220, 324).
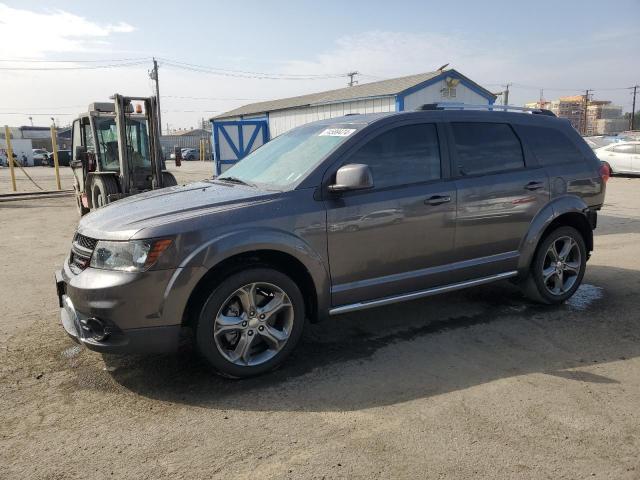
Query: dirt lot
point(474, 384)
point(45, 178)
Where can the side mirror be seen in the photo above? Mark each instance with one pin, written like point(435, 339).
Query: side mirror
point(81, 155)
point(354, 176)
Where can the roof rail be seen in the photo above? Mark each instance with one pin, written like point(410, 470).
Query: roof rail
point(466, 106)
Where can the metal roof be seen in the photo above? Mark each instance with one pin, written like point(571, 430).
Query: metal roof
point(381, 88)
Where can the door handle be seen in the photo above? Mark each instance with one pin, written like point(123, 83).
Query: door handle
point(437, 200)
point(534, 186)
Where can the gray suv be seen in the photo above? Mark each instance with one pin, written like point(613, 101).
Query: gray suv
point(332, 217)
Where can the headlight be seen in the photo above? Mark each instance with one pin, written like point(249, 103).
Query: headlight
point(132, 256)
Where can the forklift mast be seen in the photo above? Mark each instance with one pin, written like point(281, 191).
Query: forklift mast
point(122, 106)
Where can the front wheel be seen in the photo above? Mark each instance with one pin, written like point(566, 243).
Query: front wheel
point(103, 186)
point(558, 267)
point(168, 180)
point(251, 322)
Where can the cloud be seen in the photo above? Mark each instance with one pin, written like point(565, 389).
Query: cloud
point(32, 34)
point(561, 65)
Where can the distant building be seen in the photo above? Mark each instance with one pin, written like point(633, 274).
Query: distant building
point(240, 131)
point(602, 117)
point(571, 108)
point(608, 126)
point(186, 139)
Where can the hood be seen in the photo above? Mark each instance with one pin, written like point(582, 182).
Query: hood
point(121, 220)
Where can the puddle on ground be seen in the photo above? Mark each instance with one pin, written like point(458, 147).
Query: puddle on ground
point(585, 296)
point(72, 352)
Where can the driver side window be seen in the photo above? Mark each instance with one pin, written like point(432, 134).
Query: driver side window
point(77, 138)
point(401, 156)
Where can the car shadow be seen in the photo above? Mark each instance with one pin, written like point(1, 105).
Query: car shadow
point(414, 350)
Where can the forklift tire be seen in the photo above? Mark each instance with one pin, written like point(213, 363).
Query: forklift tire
point(168, 180)
point(103, 186)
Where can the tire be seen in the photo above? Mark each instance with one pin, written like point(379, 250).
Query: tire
point(102, 187)
point(168, 180)
point(225, 326)
point(543, 284)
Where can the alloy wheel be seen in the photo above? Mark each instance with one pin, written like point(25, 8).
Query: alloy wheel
point(561, 266)
point(253, 324)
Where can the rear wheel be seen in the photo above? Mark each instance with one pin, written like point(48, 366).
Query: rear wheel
point(251, 322)
point(168, 180)
point(558, 267)
point(103, 186)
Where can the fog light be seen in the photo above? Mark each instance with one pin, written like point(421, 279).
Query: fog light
point(95, 329)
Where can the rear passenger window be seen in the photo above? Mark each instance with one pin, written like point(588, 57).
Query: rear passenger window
point(486, 148)
point(550, 146)
point(403, 155)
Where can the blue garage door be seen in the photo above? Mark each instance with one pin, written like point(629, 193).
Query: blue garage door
point(234, 140)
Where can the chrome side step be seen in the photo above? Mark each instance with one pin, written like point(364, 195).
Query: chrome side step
point(420, 294)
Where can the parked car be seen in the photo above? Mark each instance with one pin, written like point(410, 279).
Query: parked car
point(64, 158)
point(441, 199)
point(40, 154)
point(623, 157)
point(191, 154)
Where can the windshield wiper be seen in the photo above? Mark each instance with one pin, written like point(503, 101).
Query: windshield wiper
point(237, 180)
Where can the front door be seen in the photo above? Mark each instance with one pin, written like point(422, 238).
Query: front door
point(387, 240)
point(498, 197)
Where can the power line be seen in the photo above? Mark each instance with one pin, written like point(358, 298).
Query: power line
point(213, 98)
point(95, 67)
point(248, 74)
point(106, 60)
point(34, 114)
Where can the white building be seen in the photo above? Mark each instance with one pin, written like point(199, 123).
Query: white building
point(240, 131)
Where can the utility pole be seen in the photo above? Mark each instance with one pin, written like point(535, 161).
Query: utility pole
point(153, 74)
point(352, 82)
point(586, 104)
point(633, 108)
point(505, 97)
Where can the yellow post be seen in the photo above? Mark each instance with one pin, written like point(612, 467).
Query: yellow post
point(7, 136)
point(54, 145)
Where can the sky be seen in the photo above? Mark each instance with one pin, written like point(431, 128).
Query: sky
point(217, 55)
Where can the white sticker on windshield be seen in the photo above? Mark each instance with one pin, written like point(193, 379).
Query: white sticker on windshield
point(337, 132)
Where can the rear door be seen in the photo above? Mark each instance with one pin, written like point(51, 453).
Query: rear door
point(387, 240)
point(498, 196)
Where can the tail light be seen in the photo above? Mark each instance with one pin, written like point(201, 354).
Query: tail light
point(605, 172)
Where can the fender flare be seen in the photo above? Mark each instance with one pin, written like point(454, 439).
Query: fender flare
point(556, 208)
point(216, 250)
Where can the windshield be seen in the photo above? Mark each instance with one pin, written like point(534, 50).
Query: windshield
point(286, 160)
point(137, 142)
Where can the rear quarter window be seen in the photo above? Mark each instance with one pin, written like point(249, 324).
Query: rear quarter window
point(550, 146)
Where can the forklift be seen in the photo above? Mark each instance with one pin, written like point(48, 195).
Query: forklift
point(116, 152)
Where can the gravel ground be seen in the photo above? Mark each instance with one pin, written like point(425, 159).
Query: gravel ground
point(473, 384)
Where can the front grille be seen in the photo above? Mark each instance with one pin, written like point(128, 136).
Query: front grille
point(85, 242)
point(81, 250)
